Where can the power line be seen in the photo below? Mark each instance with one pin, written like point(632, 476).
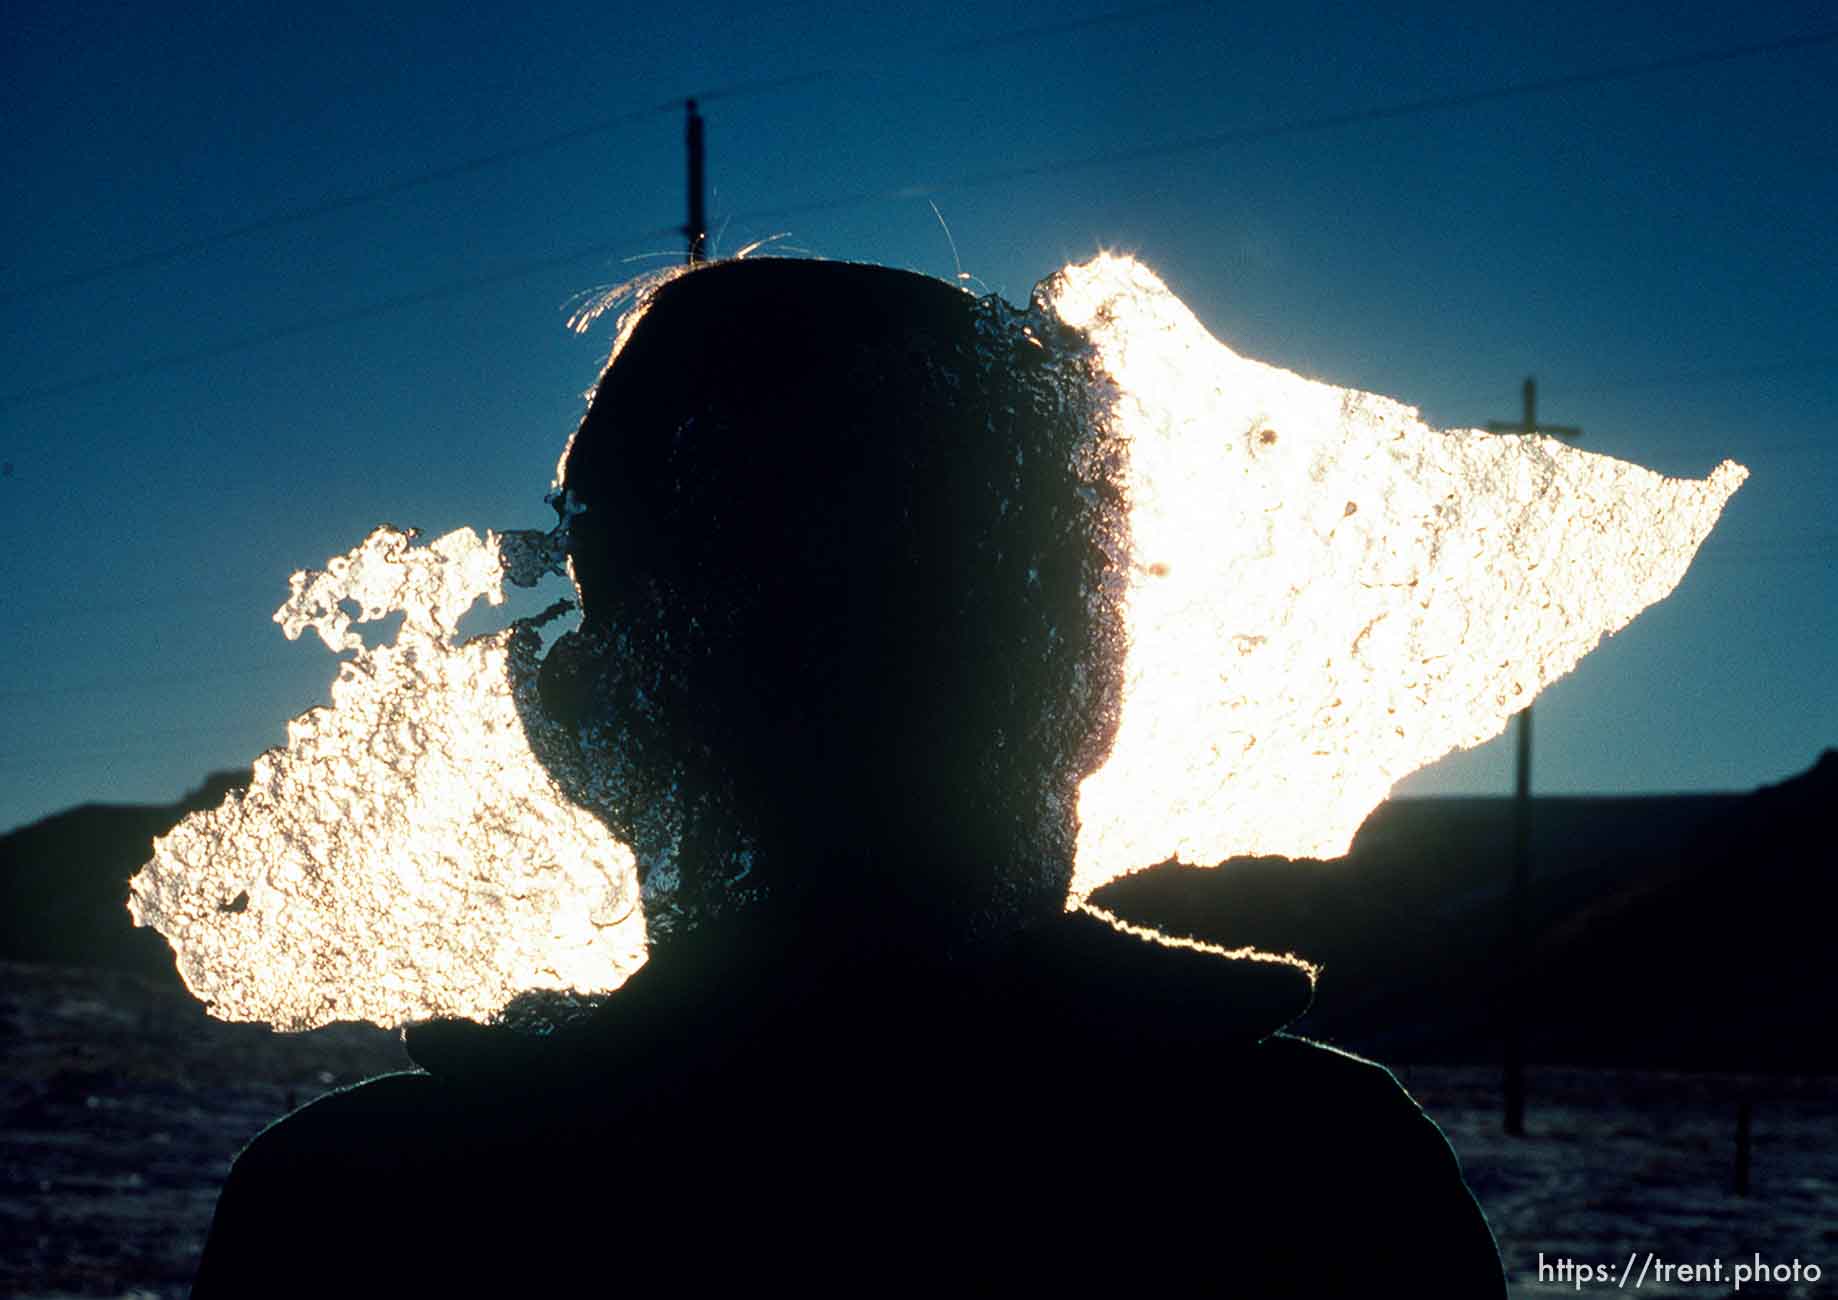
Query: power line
point(1809, 547)
point(1301, 126)
point(326, 207)
point(1704, 375)
point(1718, 374)
point(1065, 25)
point(451, 289)
point(158, 738)
point(543, 144)
point(1774, 550)
point(1812, 547)
point(150, 744)
point(123, 684)
point(90, 611)
point(1192, 144)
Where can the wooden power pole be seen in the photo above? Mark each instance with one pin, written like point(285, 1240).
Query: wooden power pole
point(1517, 904)
point(696, 229)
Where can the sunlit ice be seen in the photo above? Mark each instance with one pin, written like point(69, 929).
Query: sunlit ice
point(1326, 594)
point(1323, 595)
point(406, 855)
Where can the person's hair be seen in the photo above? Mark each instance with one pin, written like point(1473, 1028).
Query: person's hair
point(849, 562)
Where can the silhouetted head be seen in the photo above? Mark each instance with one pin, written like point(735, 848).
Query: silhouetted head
point(848, 562)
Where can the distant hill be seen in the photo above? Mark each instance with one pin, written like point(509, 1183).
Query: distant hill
point(1724, 956)
point(1686, 930)
point(64, 882)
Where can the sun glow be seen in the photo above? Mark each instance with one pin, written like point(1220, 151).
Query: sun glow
point(1324, 595)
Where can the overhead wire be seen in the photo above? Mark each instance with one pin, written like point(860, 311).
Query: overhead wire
point(534, 266)
point(1810, 548)
point(105, 685)
point(543, 144)
point(1717, 374)
point(1677, 379)
point(152, 742)
point(1191, 144)
point(326, 207)
point(1769, 550)
point(367, 311)
point(1301, 126)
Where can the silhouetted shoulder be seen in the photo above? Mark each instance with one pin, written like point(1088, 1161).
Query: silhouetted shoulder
point(325, 1184)
point(1087, 1106)
point(1371, 1167)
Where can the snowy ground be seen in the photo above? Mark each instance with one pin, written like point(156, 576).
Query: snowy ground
point(121, 1106)
point(1620, 1163)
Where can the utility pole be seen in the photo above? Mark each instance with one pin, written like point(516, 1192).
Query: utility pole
point(1518, 957)
point(697, 227)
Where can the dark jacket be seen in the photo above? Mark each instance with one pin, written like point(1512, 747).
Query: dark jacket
point(1088, 1108)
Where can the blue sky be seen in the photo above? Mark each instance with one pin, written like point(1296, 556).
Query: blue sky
point(1655, 246)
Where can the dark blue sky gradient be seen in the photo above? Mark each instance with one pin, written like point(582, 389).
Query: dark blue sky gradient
point(1657, 248)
